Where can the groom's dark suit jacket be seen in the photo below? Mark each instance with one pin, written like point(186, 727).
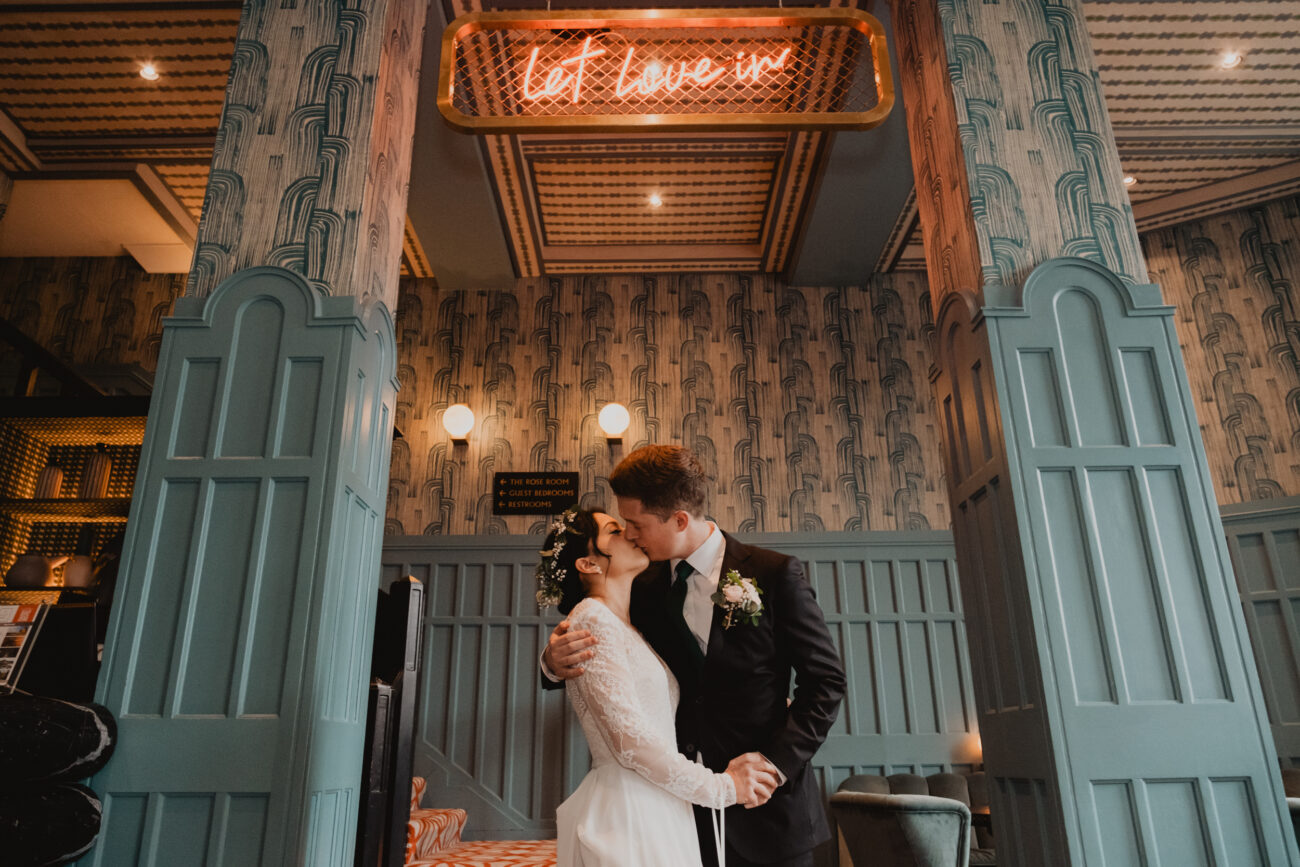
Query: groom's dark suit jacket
point(737, 702)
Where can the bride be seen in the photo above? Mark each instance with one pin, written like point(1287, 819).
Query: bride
point(634, 807)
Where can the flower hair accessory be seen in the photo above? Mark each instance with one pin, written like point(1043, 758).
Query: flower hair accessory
point(550, 575)
point(738, 595)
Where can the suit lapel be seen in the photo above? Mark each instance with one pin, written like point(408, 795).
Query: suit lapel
point(650, 594)
point(655, 623)
point(733, 557)
point(657, 574)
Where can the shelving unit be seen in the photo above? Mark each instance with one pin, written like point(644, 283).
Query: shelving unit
point(110, 510)
point(36, 431)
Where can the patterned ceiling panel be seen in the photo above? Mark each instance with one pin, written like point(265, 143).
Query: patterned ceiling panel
point(70, 84)
point(71, 94)
point(77, 74)
point(1183, 120)
point(709, 197)
point(1168, 169)
point(581, 204)
point(187, 181)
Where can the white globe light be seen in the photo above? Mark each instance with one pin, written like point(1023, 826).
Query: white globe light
point(458, 420)
point(614, 419)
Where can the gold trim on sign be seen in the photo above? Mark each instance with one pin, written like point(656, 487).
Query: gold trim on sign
point(666, 19)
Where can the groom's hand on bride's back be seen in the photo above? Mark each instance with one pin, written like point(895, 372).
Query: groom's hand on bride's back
point(755, 779)
point(566, 651)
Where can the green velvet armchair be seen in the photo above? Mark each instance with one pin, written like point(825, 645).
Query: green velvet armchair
point(907, 820)
point(919, 830)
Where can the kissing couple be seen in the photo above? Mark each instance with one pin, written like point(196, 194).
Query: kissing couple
point(677, 655)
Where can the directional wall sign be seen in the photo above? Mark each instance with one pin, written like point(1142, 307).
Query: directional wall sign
point(533, 493)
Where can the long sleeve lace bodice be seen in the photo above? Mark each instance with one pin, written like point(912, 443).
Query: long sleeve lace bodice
point(626, 701)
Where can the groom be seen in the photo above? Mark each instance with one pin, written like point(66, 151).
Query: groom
point(734, 681)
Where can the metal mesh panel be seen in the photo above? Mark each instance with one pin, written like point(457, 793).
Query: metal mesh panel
point(796, 74)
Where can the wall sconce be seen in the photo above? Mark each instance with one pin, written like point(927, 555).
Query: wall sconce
point(458, 420)
point(613, 420)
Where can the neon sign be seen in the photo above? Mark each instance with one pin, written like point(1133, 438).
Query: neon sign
point(810, 68)
point(567, 76)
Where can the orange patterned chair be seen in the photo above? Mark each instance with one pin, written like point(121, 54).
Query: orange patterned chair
point(430, 832)
point(433, 840)
point(495, 853)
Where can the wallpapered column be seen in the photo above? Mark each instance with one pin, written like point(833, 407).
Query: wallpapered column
point(313, 153)
point(1109, 654)
point(239, 650)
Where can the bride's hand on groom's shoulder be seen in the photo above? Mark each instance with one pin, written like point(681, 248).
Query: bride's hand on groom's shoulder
point(755, 779)
point(566, 651)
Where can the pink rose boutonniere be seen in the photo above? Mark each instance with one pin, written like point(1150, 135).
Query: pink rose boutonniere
point(736, 595)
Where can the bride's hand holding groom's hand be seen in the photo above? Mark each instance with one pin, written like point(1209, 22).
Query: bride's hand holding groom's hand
point(755, 779)
point(566, 651)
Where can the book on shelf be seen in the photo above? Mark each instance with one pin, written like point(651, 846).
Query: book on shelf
point(19, 627)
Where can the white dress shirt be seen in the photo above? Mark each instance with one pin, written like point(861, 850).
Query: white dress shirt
point(698, 607)
point(707, 562)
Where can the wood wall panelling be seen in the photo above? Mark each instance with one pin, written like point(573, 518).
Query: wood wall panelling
point(243, 608)
point(1003, 633)
point(490, 740)
point(1126, 578)
point(1264, 540)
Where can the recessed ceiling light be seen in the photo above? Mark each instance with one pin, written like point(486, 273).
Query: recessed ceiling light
point(1129, 180)
point(149, 72)
point(655, 200)
point(1230, 60)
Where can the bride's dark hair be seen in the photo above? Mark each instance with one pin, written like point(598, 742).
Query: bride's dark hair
point(575, 534)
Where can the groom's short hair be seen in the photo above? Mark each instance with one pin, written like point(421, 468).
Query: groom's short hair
point(664, 478)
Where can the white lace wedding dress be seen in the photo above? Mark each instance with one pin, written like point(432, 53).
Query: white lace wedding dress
point(634, 808)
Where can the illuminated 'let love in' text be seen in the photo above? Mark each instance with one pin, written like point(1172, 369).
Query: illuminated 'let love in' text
point(572, 77)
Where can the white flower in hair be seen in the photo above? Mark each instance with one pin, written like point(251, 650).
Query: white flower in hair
point(550, 576)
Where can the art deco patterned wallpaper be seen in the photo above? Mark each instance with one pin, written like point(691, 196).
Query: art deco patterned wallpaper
point(89, 311)
point(1235, 279)
point(810, 407)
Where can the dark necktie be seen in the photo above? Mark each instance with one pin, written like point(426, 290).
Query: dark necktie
point(676, 614)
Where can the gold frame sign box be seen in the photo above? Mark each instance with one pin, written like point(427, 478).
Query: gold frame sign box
point(673, 70)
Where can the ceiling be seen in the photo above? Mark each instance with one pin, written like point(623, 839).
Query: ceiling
point(128, 158)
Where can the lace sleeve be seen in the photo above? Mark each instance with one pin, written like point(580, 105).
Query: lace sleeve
point(608, 691)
